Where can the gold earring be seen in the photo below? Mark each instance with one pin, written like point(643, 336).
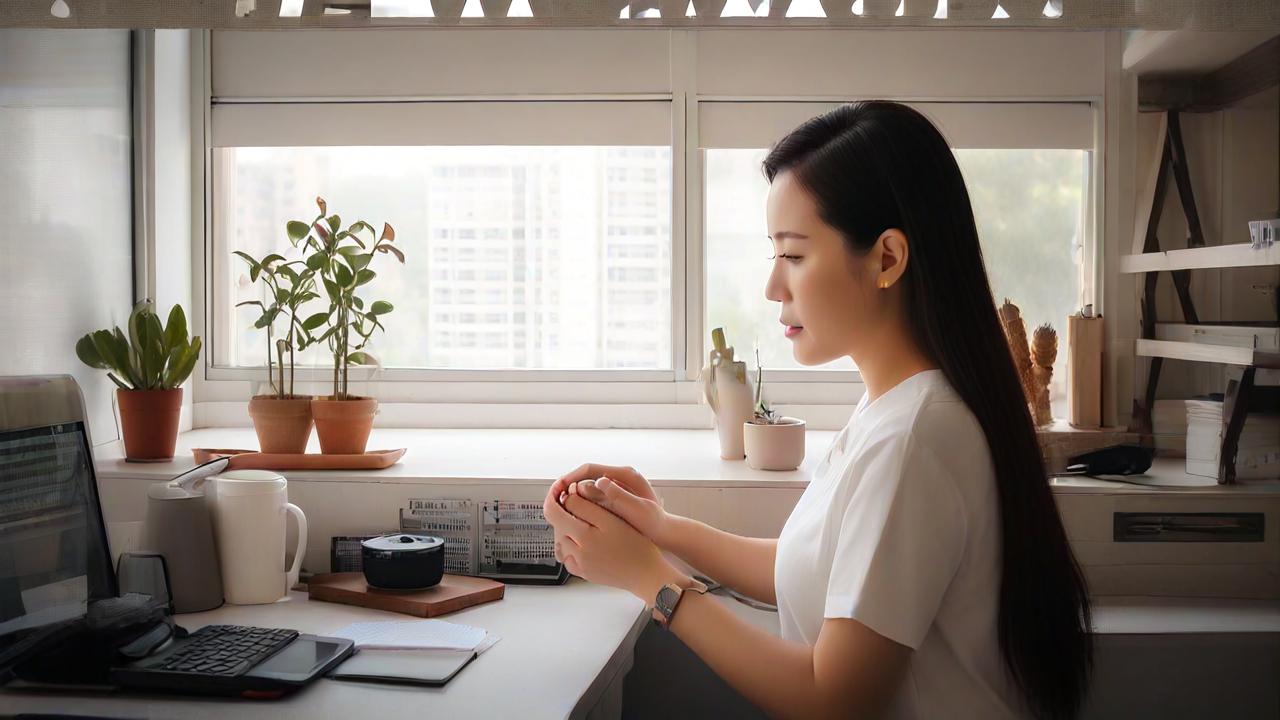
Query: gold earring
point(884, 284)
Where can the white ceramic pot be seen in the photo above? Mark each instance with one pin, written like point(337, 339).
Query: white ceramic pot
point(779, 446)
point(250, 508)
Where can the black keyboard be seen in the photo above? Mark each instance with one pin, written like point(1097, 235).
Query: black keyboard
point(223, 650)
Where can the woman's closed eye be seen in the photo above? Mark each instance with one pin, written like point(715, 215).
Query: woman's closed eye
point(786, 256)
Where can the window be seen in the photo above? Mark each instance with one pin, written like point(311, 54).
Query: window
point(584, 206)
point(1030, 204)
point(576, 237)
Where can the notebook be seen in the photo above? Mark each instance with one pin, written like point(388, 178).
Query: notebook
point(417, 667)
point(417, 635)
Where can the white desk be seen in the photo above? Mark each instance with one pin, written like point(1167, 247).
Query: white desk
point(564, 652)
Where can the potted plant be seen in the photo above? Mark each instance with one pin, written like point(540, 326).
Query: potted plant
point(282, 418)
point(340, 258)
point(772, 441)
point(149, 366)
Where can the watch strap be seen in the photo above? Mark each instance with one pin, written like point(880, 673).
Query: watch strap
point(668, 600)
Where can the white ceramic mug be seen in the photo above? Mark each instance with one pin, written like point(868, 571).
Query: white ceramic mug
point(249, 515)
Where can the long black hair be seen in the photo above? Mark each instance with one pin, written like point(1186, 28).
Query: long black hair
point(873, 166)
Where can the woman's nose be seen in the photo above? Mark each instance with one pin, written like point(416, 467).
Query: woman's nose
point(775, 288)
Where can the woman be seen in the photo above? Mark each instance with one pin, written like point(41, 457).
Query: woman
point(924, 572)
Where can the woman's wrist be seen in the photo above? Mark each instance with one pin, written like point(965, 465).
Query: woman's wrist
point(659, 576)
point(666, 530)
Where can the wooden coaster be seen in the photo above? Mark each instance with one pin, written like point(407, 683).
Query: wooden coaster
point(454, 593)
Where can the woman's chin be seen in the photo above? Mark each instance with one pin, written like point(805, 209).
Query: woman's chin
point(807, 356)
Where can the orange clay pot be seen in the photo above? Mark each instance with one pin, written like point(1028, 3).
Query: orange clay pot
point(343, 425)
point(149, 421)
point(283, 424)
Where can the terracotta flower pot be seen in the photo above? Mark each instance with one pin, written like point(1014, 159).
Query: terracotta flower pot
point(283, 425)
point(149, 420)
point(343, 425)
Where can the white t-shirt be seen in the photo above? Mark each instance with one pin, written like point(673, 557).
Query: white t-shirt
point(899, 529)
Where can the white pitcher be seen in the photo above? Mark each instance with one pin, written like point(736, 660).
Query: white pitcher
point(249, 515)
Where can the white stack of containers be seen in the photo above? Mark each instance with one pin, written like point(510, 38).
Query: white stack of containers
point(1259, 455)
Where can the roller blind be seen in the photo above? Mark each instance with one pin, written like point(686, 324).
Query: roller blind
point(1066, 125)
point(441, 123)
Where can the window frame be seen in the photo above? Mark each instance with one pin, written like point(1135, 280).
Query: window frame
point(676, 386)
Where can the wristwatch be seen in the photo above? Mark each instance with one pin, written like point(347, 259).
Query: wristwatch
point(668, 599)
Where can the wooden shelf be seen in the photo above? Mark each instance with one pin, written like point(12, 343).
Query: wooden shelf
point(1215, 256)
point(1201, 352)
point(1166, 474)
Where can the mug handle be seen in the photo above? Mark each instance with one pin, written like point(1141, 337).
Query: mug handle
point(291, 578)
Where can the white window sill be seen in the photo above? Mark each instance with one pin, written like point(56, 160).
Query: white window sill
point(668, 458)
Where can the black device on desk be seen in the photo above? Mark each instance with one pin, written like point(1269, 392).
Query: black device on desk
point(60, 621)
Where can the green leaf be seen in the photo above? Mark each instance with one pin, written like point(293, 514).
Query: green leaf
point(349, 250)
point(343, 275)
point(89, 354)
point(380, 307)
point(365, 276)
point(360, 262)
point(137, 328)
point(297, 230)
point(109, 350)
point(175, 332)
point(335, 293)
point(316, 261)
point(254, 266)
point(335, 222)
point(155, 362)
point(117, 381)
point(282, 296)
point(251, 302)
point(272, 258)
point(307, 297)
point(153, 353)
point(181, 362)
point(327, 334)
point(361, 358)
point(125, 360)
point(357, 302)
point(268, 317)
point(315, 321)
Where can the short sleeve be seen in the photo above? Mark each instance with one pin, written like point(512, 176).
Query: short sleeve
point(901, 539)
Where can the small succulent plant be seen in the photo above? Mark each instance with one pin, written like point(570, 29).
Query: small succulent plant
point(764, 415)
point(152, 357)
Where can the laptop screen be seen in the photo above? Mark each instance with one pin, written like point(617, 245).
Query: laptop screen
point(53, 553)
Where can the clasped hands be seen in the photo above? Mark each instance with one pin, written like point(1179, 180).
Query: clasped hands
point(608, 526)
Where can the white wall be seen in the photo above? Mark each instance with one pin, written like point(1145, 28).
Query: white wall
point(66, 235)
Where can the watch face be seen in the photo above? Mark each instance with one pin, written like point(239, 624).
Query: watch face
point(666, 600)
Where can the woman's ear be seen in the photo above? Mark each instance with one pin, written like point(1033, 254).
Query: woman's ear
point(894, 253)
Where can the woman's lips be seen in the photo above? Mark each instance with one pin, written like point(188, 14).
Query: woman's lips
point(793, 330)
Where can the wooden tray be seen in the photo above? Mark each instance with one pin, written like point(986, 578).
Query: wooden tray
point(454, 593)
point(254, 460)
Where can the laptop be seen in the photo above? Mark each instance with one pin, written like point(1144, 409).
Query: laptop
point(55, 561)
